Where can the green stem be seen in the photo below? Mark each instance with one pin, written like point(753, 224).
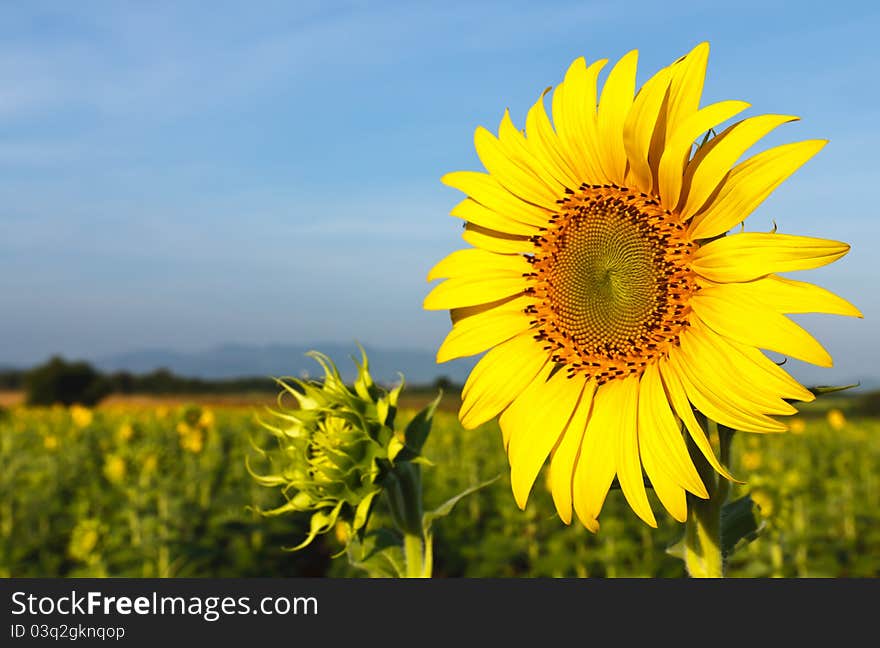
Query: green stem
point(403, 491)
point(702, 538)
point(417, 556)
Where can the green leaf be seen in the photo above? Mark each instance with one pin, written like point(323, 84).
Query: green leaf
point(380, 554)
point(446, 507)
point(403, 491)
point(739, 524)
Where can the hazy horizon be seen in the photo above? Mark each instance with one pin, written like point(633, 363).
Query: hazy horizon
point(417, 365)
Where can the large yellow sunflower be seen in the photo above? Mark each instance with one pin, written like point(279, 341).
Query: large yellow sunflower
point(611, 300)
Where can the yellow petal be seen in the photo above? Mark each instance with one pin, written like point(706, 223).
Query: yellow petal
point(571, 156)
point(522, 152)
point(499, 377)
point(574, 116)
point(749, 255)
point(475, 334)
point(744, 386)
point(638, 129)
point(494, 241)
point(686, 86)
point(680, 142)
point(746, 320)
point(682, 406)
point(614, 104)
point(473, 212)
point(681, 101)
point(564, 455)
point(789, 296)
point(546, 145)
point(471, 261)
point(753, 366)
point(670, 494)
point(714, 403)
point(748, 184)
point(629, 464)
point(471, 290)
point(712, 162)
point(660, 435)
point(534, 423)
point(518, 180)
point(597, 462)
point(487, 191)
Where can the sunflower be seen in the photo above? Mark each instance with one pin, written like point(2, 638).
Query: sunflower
point(613, 301)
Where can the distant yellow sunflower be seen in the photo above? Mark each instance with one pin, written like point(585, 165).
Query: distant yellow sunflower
point(609, 298)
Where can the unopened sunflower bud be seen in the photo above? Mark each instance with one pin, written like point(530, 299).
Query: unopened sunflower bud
point(335, 447)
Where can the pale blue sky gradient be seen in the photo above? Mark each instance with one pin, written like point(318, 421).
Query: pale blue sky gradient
point(172, 176)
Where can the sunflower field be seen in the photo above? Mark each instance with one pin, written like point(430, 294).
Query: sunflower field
point(164, 491)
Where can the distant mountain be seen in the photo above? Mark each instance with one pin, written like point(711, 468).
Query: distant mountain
point(417, 366)
point(276, 360)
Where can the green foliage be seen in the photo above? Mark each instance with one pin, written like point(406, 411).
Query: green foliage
point(818, 494)
point(160, 492)
point(60, 381)
point(826, 522)
point(155, 493)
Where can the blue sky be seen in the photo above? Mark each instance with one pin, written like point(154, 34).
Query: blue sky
point(269, 172)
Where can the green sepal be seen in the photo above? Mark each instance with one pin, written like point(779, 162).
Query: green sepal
point(362, 513)
point(417, 430)
point(395, 445)
point(830, 389)
point(739, 524)
point(709, 134)
point(363, 383)
point(387, 406)
point(320, 522)
point(382, 409)
point(394, 394)
point(821, 390)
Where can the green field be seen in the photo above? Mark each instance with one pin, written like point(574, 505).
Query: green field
point(163, 491)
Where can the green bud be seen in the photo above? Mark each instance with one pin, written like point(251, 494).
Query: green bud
point(335, 446)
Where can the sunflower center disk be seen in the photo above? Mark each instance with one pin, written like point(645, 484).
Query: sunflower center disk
point(613, 282)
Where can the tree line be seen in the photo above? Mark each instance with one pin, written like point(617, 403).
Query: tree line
point(67, 382)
